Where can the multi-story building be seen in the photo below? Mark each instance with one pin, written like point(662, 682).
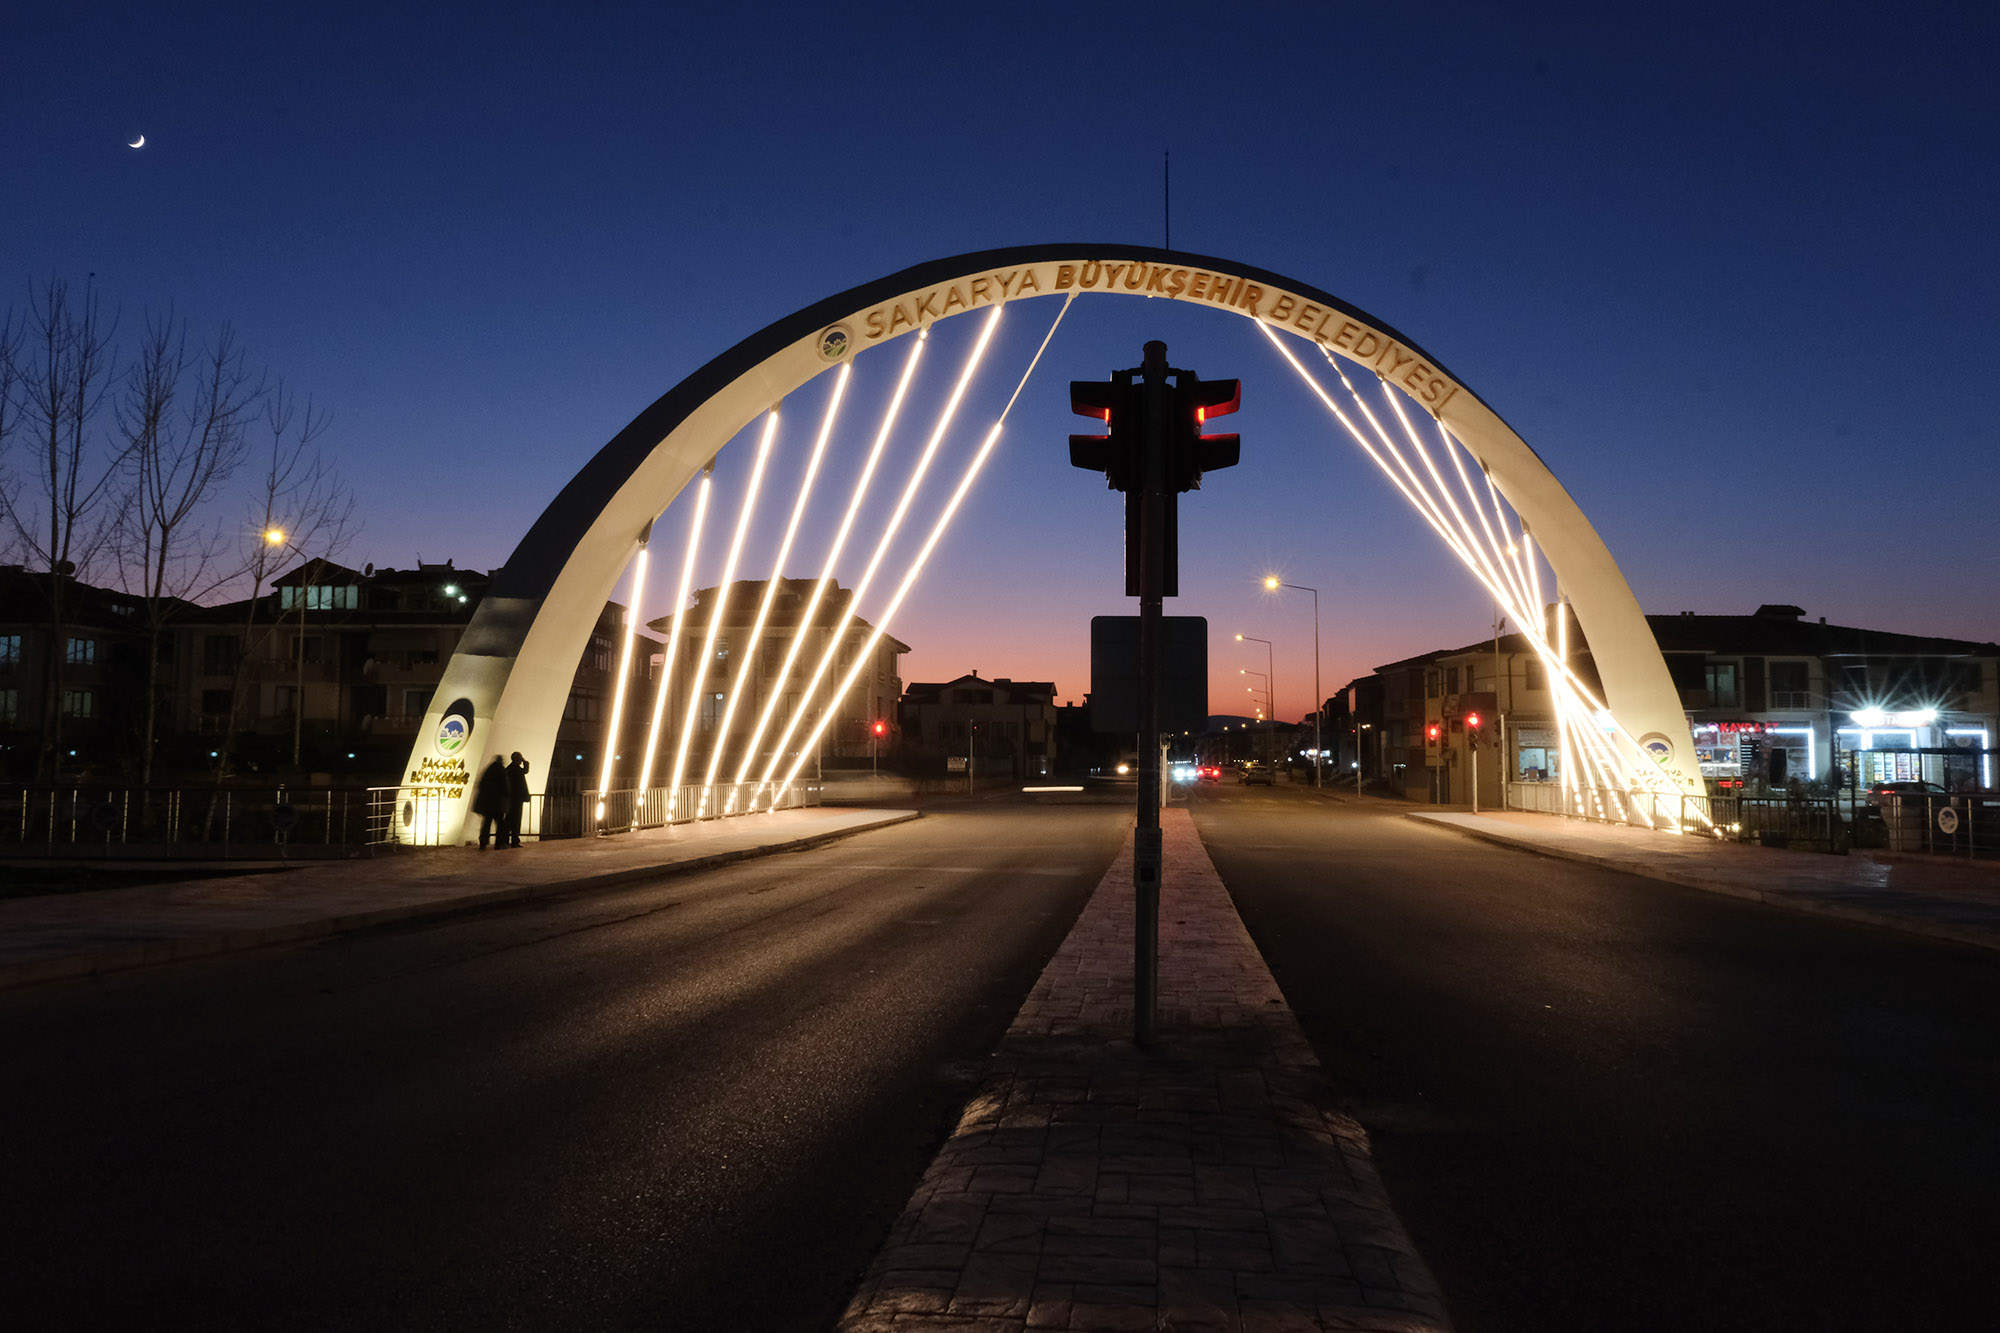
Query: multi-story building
point(1773, 700)
point(337, 666)
point(69, 701)
point(1000, 725)
point(749, 661)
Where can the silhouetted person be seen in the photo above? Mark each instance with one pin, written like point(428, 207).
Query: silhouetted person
point(489, 802)
point(517, 798)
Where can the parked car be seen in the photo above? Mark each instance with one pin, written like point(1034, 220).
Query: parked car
point(1888, 793)
point(1258, 771)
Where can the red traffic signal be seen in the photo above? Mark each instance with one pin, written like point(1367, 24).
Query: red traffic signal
point(1431, 734)
point(881, 728)
point(1472, 721)
point(1115, 453)
point(1196, 402)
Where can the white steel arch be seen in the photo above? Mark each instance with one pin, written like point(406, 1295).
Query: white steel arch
point(505, 686)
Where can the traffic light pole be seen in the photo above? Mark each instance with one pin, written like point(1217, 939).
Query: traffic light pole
point(1154, 448)
point(1148, 855)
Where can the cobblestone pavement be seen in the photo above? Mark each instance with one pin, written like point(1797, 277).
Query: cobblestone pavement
point(1204, 1184)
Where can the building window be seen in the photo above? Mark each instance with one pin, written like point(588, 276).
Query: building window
point(1432, 688)
point(582, 708)
point(1451, 680)
point(285, 700)
point(1791, 685)
point(321, 597)
point(10, 708)
point(79, 703)
point(416, 702)
point(81, 652)
point(10, 650)
point(600, 653)
point(1535, 676)
point(218, 654)
point(215, 703)
point(711, 709)
point(1965, 679)
point(1722, 685)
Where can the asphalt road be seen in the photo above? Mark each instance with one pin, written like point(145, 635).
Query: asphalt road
point(1601, 1102)
point(693, 1104)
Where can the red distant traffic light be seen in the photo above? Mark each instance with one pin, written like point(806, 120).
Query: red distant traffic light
point(881, 727)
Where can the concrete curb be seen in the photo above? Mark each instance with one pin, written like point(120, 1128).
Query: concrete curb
point(154, 952)
point(1960, 933)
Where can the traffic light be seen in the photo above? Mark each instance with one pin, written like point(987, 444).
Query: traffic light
point(1472, 731)
point(1117, 453)
point(1190, 453)
point(1431, 735)
point(881, 728)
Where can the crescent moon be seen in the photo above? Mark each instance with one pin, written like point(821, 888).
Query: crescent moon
point(140, 142)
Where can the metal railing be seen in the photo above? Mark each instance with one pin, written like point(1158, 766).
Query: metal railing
point(1808, 823)
point(623, 810)
point(1963, 824)
point(217, 822)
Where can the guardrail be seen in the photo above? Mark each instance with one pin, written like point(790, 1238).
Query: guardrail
point(218, 822)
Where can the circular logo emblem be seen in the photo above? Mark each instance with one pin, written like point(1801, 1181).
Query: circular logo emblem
point(835, 343)
point(455, 728)
point(1947, 820)
point(1657, 747)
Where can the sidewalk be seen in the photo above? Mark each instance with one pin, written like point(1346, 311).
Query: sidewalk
point(79, 934)
point(1205, 1184)
point(1929, 895)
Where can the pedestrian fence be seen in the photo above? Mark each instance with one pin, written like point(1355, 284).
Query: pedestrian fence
point(1807, 823)
point(420, 816)
point(193, 822)
point(1963, 824)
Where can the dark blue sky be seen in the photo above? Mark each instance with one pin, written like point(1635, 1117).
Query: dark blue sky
point(1731, 274)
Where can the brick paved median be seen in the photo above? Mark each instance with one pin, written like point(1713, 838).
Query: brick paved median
point(1205, 1184)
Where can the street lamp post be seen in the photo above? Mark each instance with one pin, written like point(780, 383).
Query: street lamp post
point(277, 537)
point(1270, 708)
point(1270, 675)
point(1271, 584)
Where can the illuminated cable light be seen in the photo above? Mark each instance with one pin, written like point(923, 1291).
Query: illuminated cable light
point(883, 545)
point(698, 686)
point(1501, 573)
point(839, 543)
point(937, 532)
point(663, 687)
point(740, 680)
point(624, 667)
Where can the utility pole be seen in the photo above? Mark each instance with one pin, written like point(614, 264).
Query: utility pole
point(1154, 449)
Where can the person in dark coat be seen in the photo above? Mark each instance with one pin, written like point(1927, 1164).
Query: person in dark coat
point(489, 802)
point(517, 799)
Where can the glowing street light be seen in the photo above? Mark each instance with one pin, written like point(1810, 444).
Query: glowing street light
point(1271, 584)
point(1270, 673)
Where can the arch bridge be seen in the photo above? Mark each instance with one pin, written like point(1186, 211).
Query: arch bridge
point(1472, 479)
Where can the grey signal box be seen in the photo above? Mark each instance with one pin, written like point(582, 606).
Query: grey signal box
point(1114, 674)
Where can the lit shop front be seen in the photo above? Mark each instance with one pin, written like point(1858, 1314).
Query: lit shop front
point(1921, 745)
point(1776, 752)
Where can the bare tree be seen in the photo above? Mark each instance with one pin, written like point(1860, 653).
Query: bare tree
point(182, 419)
point(300, 508)
point(60, 512)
